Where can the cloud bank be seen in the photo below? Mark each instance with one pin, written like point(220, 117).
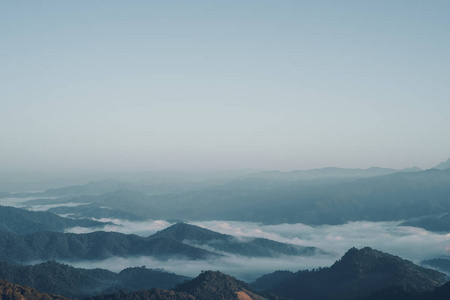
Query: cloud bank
point(412, 243)
point(408, 242)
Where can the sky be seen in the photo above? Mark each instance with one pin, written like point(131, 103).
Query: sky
point(220, 85)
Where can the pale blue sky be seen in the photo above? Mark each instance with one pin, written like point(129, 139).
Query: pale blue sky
point(214, 85)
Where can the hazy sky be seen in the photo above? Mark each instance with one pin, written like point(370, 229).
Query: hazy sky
point(213, 85)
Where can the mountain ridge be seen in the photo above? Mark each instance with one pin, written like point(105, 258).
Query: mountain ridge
point(22, 221)
point(357, 275)
point(252, 247)
point(96, 245)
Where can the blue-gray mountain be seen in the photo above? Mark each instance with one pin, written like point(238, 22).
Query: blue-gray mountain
point(22, 221)
point(393, 197)
point(251, 247)
point(171, 243)
point(443, 165)
point(92, 246)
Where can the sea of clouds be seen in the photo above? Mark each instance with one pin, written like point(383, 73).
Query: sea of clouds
point(408, 242)
point(411, 243)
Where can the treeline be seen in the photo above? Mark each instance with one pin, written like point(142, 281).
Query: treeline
point(56, 278)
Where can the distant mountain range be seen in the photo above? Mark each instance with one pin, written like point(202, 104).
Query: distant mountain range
point(122, 204)
point(324, 196)
point(92, 246)
point(393, 197)
point(329, 172)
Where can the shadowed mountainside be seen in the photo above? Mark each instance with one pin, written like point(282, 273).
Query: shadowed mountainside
point(96, 245)
point(61, 279)
point(23, 221)
point(357, 275)
point(252, 247)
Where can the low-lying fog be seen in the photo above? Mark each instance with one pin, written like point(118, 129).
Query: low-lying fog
point(408, 242)
point(20, 203)
point(243, 268)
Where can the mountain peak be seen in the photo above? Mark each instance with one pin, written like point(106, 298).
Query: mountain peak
point(216, 285)
point(366, 262)
point(183, 231)
point(358, 274)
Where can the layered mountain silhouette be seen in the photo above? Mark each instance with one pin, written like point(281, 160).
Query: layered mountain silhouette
point(252, 247)
point(23, 221)
point(336, 197)
point(92, 188)
point(97, 245)
point(392, 197)
point(122, 204)
point(358, 275)
point(180, 241)
point(329, 172)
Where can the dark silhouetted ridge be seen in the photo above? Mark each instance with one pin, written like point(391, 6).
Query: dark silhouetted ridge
point(96, 245)
point(182, 231)
point(216, 285)
point(358, 274)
